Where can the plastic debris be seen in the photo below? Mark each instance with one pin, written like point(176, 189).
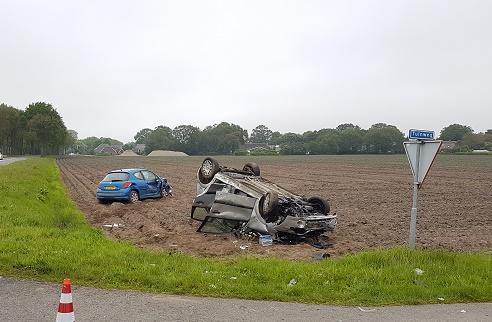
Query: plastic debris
point(233, 278)
point(366, 310)
point(292, 282)
point(113, 226)
point(418, 272)
point(463, 311)
point(265, 240)
point(321, 256)
point(153, 265)
point(243, 247)
point(440, 299)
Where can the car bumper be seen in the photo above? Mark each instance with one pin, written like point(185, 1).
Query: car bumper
point(302, 226)
point(113, 195)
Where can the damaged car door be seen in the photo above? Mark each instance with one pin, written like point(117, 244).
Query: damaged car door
point(223, 209)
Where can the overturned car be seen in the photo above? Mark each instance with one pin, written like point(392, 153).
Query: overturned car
point(241, 201)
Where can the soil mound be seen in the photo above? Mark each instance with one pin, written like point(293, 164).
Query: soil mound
point(163, 153)
point(129, 153)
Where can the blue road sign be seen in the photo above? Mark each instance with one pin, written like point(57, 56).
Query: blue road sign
point(421, 135)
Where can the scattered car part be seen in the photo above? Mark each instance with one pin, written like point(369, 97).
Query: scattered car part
point(237, 201)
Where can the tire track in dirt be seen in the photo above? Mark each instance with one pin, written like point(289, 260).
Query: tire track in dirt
point(75, 182)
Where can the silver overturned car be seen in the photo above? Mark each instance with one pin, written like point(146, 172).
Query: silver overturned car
point(241, 201)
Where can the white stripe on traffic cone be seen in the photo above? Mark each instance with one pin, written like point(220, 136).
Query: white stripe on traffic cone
point(65, 308)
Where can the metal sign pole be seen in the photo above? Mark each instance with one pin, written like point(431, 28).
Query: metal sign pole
point(413, 213)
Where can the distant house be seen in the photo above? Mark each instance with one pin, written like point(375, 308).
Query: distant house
point(253, 146)
point(139, 148)
point(448, 145)
point(104, 148)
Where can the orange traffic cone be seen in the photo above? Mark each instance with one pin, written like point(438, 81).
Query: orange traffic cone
point(65, 308)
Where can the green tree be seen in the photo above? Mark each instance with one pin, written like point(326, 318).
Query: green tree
point(275, 137)
point(478, 141)
point(350, 140)
point(454, 132)
point(383, 138)
point(346, 126)
point(187, 138)
point(326, 143)
point(222, 138)
point(128, 146)
point(87, 145)
point(11, 132)
point(160, 138)
point(292, 143)
point(45, 128)
point(71, 141)
point(261, 134)
point(142, 135)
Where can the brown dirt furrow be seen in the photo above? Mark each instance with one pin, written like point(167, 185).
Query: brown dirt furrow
point(371, 195)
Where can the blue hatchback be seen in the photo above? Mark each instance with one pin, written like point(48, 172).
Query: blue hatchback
point(132, 185)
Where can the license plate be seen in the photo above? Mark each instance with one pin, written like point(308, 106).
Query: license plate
point(111, 188)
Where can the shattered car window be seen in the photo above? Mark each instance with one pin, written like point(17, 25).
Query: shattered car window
point(218, 225)
point(199, 213)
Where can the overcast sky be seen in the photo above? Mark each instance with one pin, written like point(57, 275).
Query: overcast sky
point(112, 68)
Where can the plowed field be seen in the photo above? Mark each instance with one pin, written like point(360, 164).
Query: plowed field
point(371, 195)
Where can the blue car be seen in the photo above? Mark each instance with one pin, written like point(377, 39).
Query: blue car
point(132, 185)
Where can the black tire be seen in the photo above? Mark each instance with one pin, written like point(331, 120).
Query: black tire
point(321, 204)
point(253, 168)
point(208, 169)
point(134, 197)
point(164, 193)
point(268, 205)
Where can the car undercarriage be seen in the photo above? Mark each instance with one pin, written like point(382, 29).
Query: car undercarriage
point(240, 201)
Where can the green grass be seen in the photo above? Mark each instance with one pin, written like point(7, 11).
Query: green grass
point(44, 236)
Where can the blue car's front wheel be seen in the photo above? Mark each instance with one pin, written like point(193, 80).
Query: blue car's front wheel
point(133, 196)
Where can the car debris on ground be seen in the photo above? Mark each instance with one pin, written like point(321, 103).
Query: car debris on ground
point(242, 202)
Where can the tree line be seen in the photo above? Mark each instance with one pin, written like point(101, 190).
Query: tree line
point(347, 138)
point(39, 129)
point(466, 140)
point(228, 138)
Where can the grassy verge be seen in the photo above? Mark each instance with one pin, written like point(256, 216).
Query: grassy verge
point(44, 236)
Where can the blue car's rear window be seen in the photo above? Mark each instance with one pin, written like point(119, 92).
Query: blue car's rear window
point(116, 176)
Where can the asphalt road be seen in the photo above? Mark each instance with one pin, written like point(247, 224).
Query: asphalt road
point(22, 300)
point(6, 161)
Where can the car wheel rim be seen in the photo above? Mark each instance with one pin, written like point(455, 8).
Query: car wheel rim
point(207, 168)
point(134, 197)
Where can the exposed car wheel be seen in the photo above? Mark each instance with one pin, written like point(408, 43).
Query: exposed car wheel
point(164, 193)
point(134, 196)
point(252, 167)
point(321, 203)
point(207, 171)
point(268, 205)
